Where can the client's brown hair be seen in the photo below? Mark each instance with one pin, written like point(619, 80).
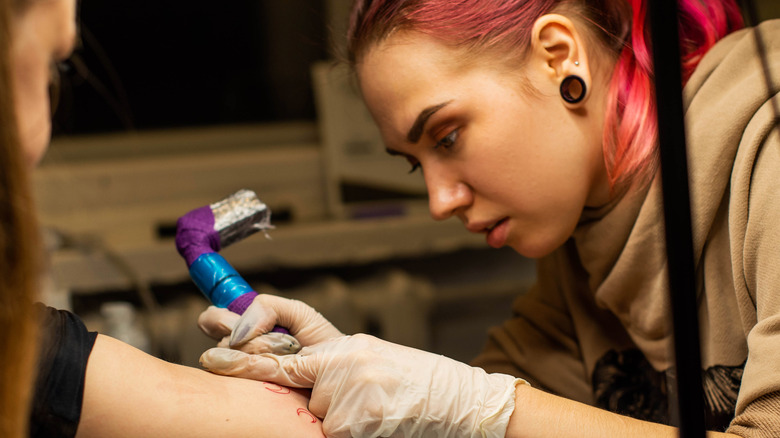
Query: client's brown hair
point(20, 256)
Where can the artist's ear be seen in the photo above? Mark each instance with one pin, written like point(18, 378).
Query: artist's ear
point(558, 50)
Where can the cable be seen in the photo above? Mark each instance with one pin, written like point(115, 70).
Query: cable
point(677, 218)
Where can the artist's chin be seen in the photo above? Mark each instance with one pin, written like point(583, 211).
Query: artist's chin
point(535, 246)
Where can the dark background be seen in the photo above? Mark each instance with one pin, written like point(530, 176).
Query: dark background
point(150, 64)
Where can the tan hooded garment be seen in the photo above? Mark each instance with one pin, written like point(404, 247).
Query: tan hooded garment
point(606, 288)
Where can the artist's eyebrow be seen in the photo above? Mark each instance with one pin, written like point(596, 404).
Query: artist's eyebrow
point(419, 124)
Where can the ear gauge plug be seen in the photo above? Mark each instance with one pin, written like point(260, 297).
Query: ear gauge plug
point(573, 89)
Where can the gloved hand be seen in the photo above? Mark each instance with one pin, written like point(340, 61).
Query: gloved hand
point(250, 332)
point(363, 386)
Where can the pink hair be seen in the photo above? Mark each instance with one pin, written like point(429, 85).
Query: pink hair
point(630, 139)
point(630, 128)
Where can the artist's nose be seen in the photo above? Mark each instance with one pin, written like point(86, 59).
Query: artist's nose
point(447, 195)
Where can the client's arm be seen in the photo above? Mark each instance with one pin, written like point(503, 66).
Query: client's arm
point(129, 393)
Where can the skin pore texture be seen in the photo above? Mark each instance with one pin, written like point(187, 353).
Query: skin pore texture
point(519, 166)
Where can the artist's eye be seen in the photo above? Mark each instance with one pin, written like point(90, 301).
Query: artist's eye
point(448, 140)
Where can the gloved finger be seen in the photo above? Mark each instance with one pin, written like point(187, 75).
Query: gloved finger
point(216, 322)
point(267, 311)
point(290, 370)
point(224, 343)
point(257, 319)
point(272, 342)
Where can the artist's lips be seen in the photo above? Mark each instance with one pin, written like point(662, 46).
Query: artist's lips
point(496, 232)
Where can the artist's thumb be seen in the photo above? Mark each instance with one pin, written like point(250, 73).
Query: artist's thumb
point(216, 322)
point(266, 311)
point(290, 370)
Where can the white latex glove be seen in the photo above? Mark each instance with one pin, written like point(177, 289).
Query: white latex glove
point(217, 323)
point(250, 332)
point(365, 387)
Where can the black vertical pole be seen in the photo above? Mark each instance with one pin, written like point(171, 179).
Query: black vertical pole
point(677, 216)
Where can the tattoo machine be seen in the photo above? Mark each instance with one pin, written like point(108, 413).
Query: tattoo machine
point(202, 232)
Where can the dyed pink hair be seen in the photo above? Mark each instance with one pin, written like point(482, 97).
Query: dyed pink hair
point(630, 139)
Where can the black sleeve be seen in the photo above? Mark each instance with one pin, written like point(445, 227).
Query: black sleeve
point(65, 345)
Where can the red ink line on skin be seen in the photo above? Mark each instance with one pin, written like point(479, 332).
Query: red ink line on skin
point(304, 411)
point(278, 389)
